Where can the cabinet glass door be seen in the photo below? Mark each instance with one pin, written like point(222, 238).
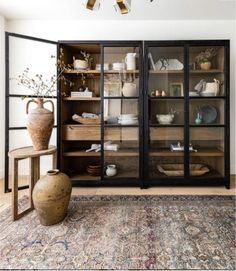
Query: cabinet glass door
point(121, 112)
point(34, 54)
point(206, 111)
point(165, 91)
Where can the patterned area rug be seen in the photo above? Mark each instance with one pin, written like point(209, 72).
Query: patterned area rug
point(125, 232)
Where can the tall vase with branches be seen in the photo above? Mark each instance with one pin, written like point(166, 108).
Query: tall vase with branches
point(41, 120)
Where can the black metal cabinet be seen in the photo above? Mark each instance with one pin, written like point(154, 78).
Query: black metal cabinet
point(115, 78)
point(186, 116)
point(152, 118)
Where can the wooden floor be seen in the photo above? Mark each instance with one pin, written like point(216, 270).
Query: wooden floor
point(5, 198)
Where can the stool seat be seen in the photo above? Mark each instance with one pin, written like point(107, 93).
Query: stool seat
point(34, 157)
point(28, 152)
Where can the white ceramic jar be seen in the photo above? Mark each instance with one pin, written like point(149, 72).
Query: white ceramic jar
point(111, 170)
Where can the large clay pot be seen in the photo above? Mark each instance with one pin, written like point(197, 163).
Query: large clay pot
point(51, 196)
point(40, 123)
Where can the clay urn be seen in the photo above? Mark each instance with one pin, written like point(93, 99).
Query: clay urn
point(51, 196)
point(40, 123)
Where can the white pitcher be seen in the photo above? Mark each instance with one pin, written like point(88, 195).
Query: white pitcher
point(213, 87)
point(130, 61)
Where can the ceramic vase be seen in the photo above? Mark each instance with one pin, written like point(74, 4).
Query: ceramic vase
point(40, 123)
point(205, 65)
point(129, 90)
point(111, 170)
point(51, 196)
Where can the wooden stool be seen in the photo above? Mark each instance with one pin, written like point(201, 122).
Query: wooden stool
point(34, 156)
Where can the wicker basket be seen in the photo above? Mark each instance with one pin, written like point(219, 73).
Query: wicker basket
point(178, 169)
point(87, 121)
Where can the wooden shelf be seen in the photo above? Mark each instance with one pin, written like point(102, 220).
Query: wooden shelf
point(81, 154)
point(166, 98)
point(120, 153)
point(121, 97)
point(165, 125)
point(84, 176)
point(163, 72)
point(97, 72)
point(206, 97)
point(176, 72)
point(92, 99)
point(121, 125)
point(82, 72)
point(209, 152)
point(206, 71)
point(122, 71)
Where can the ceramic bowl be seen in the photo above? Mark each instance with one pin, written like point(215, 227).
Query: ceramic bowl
point(165, 119)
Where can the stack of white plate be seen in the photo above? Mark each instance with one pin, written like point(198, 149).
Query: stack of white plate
point(118, 66)
point(128, 119)
point(105, 67)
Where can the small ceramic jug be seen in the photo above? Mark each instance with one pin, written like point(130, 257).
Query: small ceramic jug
point(213, 87)
point(111, 170)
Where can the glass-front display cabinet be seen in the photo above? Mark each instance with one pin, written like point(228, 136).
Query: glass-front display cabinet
point(122, 111)
point(165, 107)
point(101, 113)
point(186, 113)
point(208, 110)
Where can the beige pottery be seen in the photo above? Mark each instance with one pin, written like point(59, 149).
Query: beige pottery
point(51, 196)
point(40, 123)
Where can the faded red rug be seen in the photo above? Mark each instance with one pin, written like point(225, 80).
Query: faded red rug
point(125, 232)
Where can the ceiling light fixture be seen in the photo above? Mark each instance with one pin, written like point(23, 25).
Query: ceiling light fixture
point(92, 4)
point(123, 6)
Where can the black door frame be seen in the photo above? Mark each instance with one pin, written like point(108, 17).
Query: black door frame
point(7, 98)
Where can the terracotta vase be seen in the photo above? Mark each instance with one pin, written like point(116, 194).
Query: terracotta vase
point(205, 65)
point(40, 123)
point(51, 196)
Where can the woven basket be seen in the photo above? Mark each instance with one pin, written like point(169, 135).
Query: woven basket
point(87, 121)
point(178, 169)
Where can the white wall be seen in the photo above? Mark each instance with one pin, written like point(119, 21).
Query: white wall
point(2, 93)
point(137, 30)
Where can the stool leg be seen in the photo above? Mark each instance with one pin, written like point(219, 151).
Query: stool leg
point(34, 176)
point(54, 160)
point(15, 188)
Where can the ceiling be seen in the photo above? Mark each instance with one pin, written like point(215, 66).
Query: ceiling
point(141, 10)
